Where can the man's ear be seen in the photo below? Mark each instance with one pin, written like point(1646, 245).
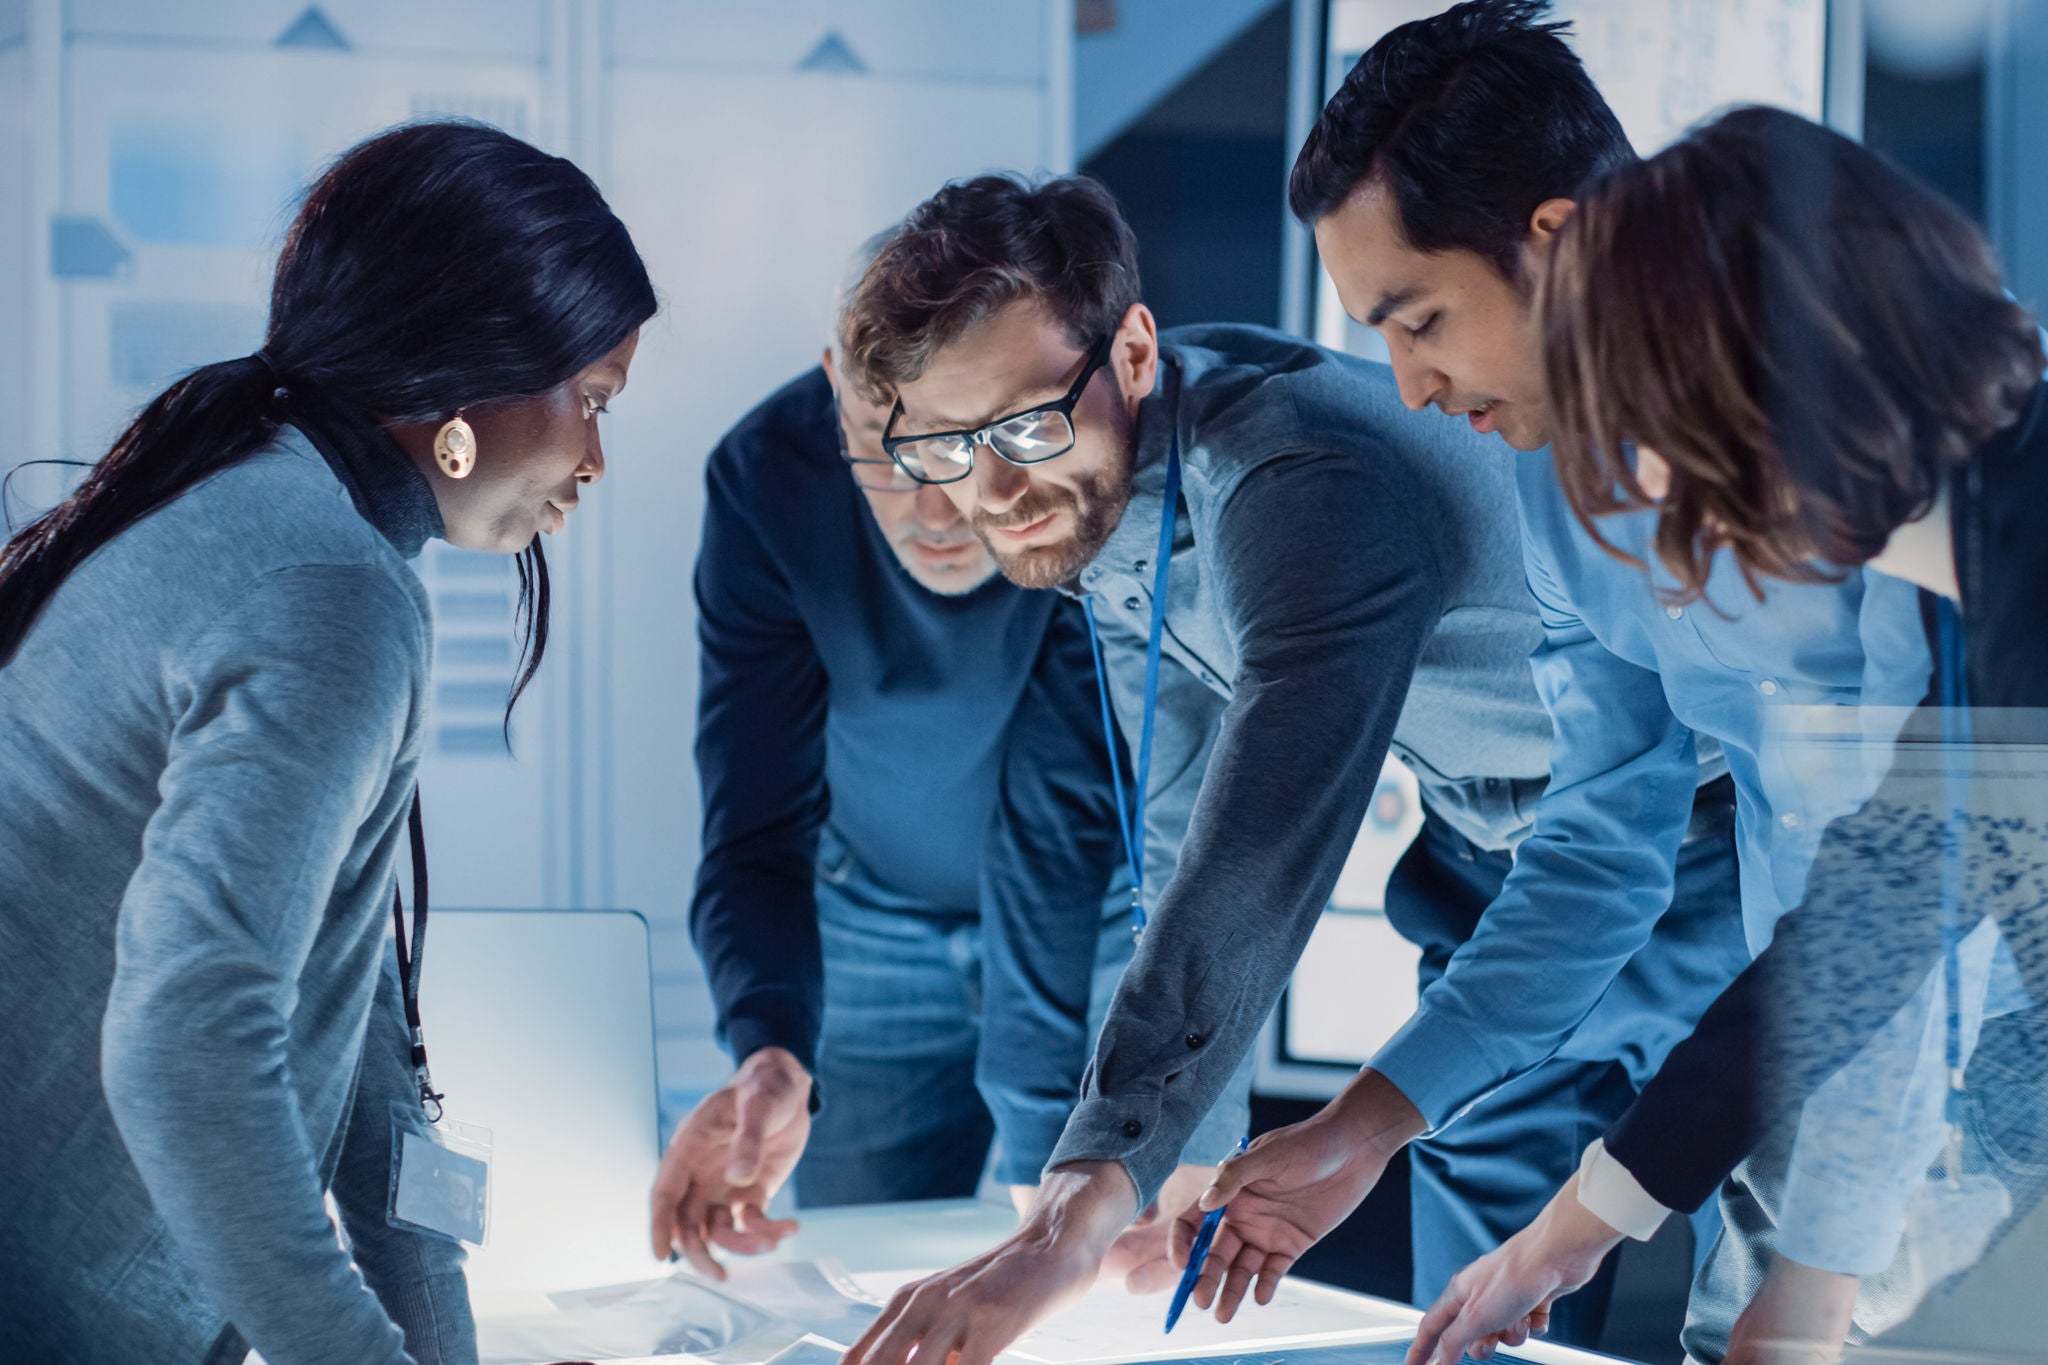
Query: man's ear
point(1547, 219)
point(831, 371)
point(1134, 355)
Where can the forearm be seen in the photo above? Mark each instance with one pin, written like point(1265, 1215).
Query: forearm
point(1867, 1136)
point(760, 755)
point(1836, 970)
point(1589, 883)
point(757, 937)
point(1586, 891)
point(194, 1072)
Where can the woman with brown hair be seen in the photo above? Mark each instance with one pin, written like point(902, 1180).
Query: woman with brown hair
point(1800, 358)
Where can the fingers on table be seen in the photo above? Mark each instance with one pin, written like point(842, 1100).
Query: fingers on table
point(1244, 1268)
point(912, 1322)
point(1270, 1275)
point(694, 1227)
point(1437, 1321)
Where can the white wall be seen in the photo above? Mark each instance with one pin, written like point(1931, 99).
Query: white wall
point(746, 234)
point(18, 263)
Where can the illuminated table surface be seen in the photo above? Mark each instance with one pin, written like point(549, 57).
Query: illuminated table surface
point(886, 1237)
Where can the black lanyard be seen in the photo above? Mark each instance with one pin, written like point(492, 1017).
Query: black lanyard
point(409, 961)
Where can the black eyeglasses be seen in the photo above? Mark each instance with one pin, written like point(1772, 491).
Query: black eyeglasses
point(1032, 436)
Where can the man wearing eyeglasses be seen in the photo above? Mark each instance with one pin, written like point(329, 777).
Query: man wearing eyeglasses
point(1279, 556)
point(909, 893)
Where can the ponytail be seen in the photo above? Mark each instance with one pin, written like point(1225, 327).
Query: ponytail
point(214, 417)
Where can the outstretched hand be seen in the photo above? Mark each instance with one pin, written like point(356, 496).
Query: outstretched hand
point(1505, 1297)
point(727, 1160)
point(1289, 1189)
point(972, 1313)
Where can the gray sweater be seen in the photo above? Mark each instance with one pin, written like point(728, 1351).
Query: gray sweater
point(209, 742)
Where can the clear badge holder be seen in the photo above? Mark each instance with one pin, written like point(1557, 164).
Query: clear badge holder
point(440, 1177)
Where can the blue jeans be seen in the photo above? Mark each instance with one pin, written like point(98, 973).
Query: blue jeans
point(1489, 1173)
point(900, 1117)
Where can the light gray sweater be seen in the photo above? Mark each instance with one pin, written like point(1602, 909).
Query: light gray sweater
point(207, 748)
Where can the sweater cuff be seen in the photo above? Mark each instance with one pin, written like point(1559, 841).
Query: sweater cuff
point(771, 1019)
point(1611, 1194)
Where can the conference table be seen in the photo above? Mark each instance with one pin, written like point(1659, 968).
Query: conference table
point(874, 1246)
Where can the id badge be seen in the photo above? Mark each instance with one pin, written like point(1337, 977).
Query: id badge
point(440, 1177)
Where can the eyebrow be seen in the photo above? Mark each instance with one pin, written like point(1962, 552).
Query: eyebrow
point(1015, 402)
point(1399, 298)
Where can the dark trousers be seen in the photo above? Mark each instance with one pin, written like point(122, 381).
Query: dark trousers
point(1488, 1174)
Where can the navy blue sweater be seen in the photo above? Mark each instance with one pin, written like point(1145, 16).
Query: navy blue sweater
point(954, 745)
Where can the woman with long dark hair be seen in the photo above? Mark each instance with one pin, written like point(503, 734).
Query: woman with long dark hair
point(1803, 360)
point(213, 687)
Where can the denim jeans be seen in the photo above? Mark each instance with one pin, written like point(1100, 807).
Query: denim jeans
point(1489, 1173)
point(900, 1117)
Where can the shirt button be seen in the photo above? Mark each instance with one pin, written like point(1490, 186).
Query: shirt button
point(1790, 819)
point(1131, 604)
point(1768, 687)
point(1133, 1128)
point(1141, 565)
point(1674, 612)
point(1196, 1040)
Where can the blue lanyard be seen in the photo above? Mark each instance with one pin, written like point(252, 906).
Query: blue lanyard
point(1130, 818)
point(1955, 731)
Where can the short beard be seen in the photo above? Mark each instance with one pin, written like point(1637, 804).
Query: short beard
point(1098, 508)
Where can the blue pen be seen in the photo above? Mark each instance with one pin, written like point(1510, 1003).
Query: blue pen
point(1197, 1254)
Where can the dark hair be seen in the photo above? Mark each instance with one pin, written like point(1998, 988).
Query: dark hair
point(435, 267)
point(974, 248)
point(1807, 335)
point(1470, 118)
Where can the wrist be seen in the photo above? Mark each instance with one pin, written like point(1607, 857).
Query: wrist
point(1083, 1206)
point(772, 1066)
point(1376, 1115)
point(1572, 1224)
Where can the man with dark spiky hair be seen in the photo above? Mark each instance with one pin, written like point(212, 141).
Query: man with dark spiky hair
point(1435, 180)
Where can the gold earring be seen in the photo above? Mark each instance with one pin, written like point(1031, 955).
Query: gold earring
point(455, 448)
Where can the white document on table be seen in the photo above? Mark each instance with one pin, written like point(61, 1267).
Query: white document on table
point(808, 1312)
point(1110, 1325)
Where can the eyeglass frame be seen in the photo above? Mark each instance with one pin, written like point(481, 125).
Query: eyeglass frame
point(1098, 357)
point(855, 463)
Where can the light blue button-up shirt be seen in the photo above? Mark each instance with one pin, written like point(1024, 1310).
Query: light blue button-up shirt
point(1629, 681)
